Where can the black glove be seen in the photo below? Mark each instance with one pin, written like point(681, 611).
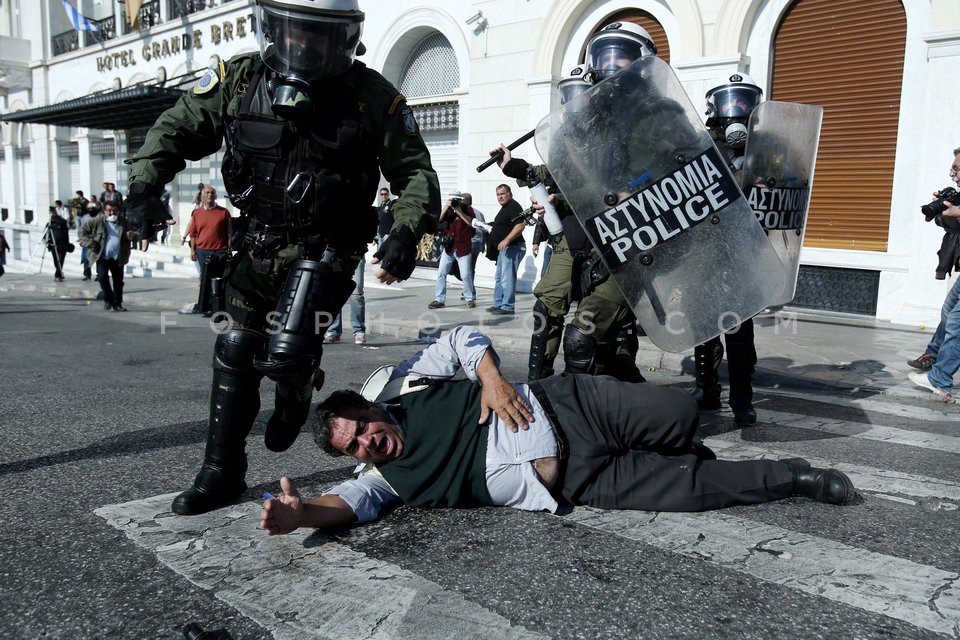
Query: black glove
point(145, 212)
point(398, 253)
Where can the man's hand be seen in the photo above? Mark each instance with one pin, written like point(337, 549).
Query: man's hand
point(398, 255)
point(503, 399)
point(506, 155)
point(145, 211)
point(284, 514)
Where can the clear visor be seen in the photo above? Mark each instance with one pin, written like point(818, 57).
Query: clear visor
point(572, 88)
point(310, 47)
point(610, 54)
point(735, 101)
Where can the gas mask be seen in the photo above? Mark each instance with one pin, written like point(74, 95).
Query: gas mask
point(290, 97)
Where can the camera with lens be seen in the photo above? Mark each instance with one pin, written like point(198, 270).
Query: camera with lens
point(938, 206)
point(456, 203)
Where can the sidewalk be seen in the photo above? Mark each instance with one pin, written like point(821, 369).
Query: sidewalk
point(797, 348)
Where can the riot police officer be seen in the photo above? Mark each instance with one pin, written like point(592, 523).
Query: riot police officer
point(308, 131)
point(729, 105)
point(602, 337)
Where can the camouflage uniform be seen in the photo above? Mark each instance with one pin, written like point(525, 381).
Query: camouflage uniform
point(602, 316)
point(304, 187)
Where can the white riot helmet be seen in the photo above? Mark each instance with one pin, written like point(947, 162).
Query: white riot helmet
point(575, 84)
point(309, 40)
point(729, 105)
point(615, 46)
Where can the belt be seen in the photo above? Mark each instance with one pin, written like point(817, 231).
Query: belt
point(538, 392)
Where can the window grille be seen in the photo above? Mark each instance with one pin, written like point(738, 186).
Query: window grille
point(431, 70)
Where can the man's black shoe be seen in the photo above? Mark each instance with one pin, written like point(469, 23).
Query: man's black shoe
point(119, 307)
point(492, 309)
point(702, 451)
point(745, 417)
point(502, 312)
point(823, 485)
point(211, 490)
point(107, 306)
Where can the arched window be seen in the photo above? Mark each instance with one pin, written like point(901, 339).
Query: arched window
point(431, 69)
point(648, 22)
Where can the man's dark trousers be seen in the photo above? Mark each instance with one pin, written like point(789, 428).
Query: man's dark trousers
point(629, 448)
point(106, 269)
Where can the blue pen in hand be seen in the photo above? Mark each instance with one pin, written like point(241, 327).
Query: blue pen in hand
point(267, 496)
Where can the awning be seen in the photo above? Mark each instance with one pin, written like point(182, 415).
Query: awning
point(136, 107)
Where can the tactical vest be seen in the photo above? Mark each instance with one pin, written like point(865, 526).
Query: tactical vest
point(315, 176)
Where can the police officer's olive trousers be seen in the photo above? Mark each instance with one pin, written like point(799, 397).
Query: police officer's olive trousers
point(630, 448)
point(601, 314)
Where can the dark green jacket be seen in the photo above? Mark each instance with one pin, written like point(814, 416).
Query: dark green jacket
point(440, 467)
point(194, 128)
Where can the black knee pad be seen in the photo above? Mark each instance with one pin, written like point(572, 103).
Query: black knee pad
point(235, 350)
point(312, 297)
point(579, 349)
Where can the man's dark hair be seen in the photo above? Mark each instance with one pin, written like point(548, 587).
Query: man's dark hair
point(504, 186)
point(333, 406)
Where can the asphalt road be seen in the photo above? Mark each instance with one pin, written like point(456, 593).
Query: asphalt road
point(103, 417)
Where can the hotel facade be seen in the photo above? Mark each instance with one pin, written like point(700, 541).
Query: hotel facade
point(74, 104)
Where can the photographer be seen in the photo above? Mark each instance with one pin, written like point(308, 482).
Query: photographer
point(458, 216)
point(941, 359)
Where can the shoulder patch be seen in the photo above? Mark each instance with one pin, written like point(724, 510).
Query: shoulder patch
point(396, 103)
point(206, 83)
point(409, 122)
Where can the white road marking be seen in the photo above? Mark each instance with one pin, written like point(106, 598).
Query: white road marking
point(920, 595)
point(864, 478)
point(892, 435)
point(298, 586)
point(888, 407)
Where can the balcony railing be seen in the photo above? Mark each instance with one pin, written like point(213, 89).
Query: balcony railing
point(181, 8)
point(149, 16)
point(107, 30)
point(64, 42)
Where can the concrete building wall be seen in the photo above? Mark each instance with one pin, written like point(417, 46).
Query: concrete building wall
point(508, 63)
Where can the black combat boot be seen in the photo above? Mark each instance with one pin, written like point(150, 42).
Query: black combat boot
point(620, 359)
point(823, 485)
point(706, 361)
point(234, 404)
point(741, 363)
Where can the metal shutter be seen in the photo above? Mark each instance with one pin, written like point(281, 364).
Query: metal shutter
point(823, 56)
point(443, 156)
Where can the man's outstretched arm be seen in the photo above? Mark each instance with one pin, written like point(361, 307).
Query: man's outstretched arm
point(290, 511)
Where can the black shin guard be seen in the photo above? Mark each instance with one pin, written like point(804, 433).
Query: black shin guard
point(234, 404)
point(312, 297)
point(545, 328)
point(706, 360)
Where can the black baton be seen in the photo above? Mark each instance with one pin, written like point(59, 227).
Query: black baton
point(495, 157)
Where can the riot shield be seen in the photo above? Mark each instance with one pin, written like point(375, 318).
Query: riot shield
point(658, 202)
point(777, 178)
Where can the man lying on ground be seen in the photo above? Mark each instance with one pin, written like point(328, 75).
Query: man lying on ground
point(432, 441)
